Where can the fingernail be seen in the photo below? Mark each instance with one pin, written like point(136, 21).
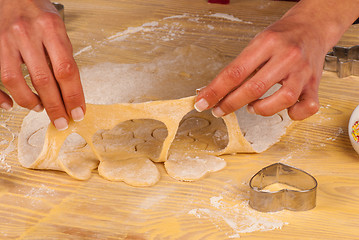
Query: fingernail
point(250, 109)
point(6, 106)
point(217, 112)
point(77, 114)
point(201, 105)
point(38, 108)
point(199, 89)
point(61, 124)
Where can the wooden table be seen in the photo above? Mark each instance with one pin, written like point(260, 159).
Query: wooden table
point(52, 205)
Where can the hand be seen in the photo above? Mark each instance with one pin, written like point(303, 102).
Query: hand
point(29, 30)
point(290, 52)
point(284, 53)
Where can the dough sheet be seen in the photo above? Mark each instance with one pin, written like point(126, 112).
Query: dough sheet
point(127, 132)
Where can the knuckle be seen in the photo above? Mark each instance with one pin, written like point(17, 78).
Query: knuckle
point(290, 97)
point(49, 20)
point(24, 101)
point(312, 107)
point(55, 109)
point(294, 52)
point(39, 78)
point(20, 27)
point(228, 106)
point(8, 78)
point(255, 89)
point(271, 37)
point(65, 70)
point(211, 93)
point(263, 111)
point(73, 97)
point(234, 74)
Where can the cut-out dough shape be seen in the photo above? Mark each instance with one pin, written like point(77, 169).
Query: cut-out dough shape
point(134, 171)
point(191, 166)
point(119, 136)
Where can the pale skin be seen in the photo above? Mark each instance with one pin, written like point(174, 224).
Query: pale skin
point(290, 52)
point(29, 30)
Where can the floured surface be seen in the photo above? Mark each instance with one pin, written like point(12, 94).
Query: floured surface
point(133, 128)
point(42, 203)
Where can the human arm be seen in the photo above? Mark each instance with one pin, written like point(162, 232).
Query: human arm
point(29, 31)
point(291, 52)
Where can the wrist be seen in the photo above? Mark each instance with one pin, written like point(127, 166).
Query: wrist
point(325, 20)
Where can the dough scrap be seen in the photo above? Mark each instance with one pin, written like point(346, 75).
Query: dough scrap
point(128, 124)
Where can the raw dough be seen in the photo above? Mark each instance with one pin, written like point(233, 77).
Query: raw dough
point(133, 171)
point(192, 166)
point(123, 130)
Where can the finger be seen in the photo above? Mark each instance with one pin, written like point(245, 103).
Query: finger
point(5, 101)
point(14, 82)
point(42, 78)
point(282, 99)
point(272, 72)
point(65, 69)
point(307, 106)
point(233, 75)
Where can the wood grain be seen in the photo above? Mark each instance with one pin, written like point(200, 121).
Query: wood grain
point(52, 205)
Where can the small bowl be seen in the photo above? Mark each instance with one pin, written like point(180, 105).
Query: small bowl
point(353, 129)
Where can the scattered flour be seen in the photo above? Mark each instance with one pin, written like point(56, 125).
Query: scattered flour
point(10, 145)
point(83, 50)
point(146, 27)
point(210, 27)
point(177, 16)
point(336, 134)
point(40, 192)
point(287, 157)
point(229, 17)
point(172, 29)
point(36, 195)
point(215, 201)
point(241, 218)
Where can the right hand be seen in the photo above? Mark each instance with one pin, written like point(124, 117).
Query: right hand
point(29, 30)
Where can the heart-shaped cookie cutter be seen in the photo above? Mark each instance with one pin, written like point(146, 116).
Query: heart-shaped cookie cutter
point(296, 200)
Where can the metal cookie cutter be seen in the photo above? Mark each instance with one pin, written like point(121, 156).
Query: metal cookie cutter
point(270, 201)
point(60, 8)
point(343, 60)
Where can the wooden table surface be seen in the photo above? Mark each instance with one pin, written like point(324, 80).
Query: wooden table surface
point(52, 205)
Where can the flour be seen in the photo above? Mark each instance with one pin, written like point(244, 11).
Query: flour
point(36, 195)
point(10, 145)
point(337, 133)
point(83, 50)
point(199, 212)
point(229, 17)
point(40, 192)
point(177, 16)
point(240, 218)
point(146, 27)
point(210, 27)
point(168, 25)
point(215, 201)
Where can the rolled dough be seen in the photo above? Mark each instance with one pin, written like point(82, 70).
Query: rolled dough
point(124, 133)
